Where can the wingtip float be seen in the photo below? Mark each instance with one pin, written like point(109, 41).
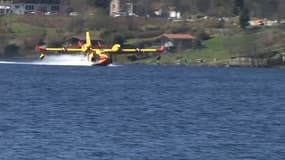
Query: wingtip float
point(98, 55)
point(42, 56)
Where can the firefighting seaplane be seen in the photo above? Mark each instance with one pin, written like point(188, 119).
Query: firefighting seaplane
point(97, 56)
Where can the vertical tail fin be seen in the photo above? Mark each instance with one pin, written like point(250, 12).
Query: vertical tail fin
point(88, 39)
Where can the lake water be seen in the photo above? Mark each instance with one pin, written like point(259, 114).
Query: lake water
point(141, 112)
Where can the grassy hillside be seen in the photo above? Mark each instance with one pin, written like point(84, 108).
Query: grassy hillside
point(256, 43)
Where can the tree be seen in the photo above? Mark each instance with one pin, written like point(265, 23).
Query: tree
point(238, 7)
point(203, 5)
point(119, 39)
point(244, 18)
point(100, 3)
point(4, 41)
point(75, 5)
point(11, 50)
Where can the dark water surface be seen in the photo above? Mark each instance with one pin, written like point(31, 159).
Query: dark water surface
point(136, 112)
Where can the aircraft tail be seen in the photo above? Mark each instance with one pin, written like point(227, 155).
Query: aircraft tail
point(88, 39)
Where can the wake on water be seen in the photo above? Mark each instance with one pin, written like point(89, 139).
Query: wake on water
point(57, 60)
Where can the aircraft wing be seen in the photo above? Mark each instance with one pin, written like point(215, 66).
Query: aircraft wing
point(43, 49)
point(139, 50)
point(116, 49)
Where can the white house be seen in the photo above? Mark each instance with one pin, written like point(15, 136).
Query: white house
point(5, 6)
point(174, 15)
point(115, 8)
point(36, 6)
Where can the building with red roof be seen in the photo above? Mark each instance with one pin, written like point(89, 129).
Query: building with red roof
point(177, 42)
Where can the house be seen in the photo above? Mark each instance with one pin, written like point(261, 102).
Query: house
point(5, 7)
point(177, 42)
point(115, 8)
point(118, 9)
point(36, 6)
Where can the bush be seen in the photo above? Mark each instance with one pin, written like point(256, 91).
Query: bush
point(196, 44)
point(202, 35)
point(215, 24)
point(76, 25)
point(11, 50)
point(119, 39)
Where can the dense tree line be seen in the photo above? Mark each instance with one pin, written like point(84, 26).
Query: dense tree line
point(100, 3)
point(256, 8)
